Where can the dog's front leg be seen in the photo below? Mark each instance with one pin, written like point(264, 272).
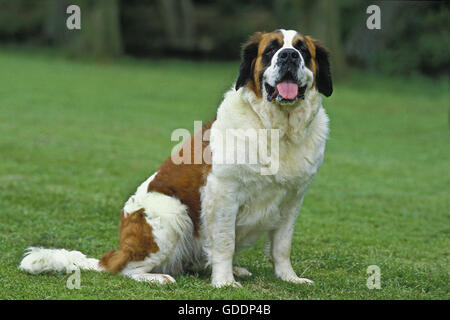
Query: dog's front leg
point(280, 248)
point(222, 242)
point(220, 210)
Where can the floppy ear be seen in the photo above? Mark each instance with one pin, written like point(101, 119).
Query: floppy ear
point(248, 56)
point(323, 75)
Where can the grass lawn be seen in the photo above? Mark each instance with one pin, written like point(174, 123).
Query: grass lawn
point(77, 138)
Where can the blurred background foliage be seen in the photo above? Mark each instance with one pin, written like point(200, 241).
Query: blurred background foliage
point(414, 37)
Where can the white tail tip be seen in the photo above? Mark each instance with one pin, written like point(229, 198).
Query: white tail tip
point(37, 260)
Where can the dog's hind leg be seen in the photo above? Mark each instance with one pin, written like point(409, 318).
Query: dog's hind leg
point(155, 237)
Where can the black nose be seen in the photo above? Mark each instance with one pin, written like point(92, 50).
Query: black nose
point(288, 55)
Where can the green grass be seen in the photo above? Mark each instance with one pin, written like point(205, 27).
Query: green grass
point(77, 138)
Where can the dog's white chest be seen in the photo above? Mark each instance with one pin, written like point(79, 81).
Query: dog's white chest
point(266, 200)
point(258, 213)
point(261, 201)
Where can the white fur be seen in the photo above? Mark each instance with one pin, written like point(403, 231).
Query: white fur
point(37, 260)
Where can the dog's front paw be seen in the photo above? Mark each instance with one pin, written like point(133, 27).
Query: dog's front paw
point(226, 283)
point(286, 273)
point(153, 277)
point(298, 280)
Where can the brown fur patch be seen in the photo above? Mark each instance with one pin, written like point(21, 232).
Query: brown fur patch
point(312, 50)
point(184, 181)
point(258, 67)
point(136, 242)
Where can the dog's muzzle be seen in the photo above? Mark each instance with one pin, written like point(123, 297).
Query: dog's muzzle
point(287, 88)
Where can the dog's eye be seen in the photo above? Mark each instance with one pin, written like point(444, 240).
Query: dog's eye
point(300, 46)
point(270, 51)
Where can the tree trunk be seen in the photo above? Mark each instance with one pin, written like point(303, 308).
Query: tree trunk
point(170, 18)
point(55, 30)
point(187, 9)
point(100, 34)
point(179, 23)
point(321, 21)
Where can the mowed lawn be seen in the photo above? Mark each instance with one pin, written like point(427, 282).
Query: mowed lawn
point(77, 138)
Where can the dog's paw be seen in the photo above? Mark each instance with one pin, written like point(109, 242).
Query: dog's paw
point(220, 284)
point(153, 278)
point(241, 272)
point(297, 280)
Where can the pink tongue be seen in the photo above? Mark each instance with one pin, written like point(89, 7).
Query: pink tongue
point(288, 90)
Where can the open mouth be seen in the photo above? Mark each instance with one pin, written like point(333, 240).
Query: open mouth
point(287, 90)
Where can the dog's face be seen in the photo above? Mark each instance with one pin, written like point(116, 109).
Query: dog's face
point(281, 66)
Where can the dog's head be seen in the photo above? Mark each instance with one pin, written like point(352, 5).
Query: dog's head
point(281, 66)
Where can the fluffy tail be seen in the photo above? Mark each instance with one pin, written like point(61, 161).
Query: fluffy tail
point(37, 260)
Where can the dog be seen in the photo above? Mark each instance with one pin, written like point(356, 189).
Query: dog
point(190, 216)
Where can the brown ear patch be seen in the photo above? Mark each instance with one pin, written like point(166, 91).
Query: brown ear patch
point(259, 66)
point(136, 242)
point(312, 50)
point(252, 66)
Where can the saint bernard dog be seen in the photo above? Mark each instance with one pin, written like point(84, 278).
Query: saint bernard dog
point(187, 217)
